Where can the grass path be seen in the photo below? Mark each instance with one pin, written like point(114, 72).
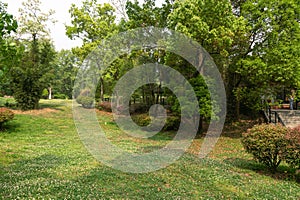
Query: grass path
point(42, 157)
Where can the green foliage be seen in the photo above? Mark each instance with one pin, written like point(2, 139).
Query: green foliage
point(7, 102)
point(293, 148)
point(86, 102)
point(172, 122)
point(7, 22)
point(5, 116)
point(85, 98)
point(7, 47)
point(252, 43)
point(32, 74)
point(32, 70)
point(60, 96)
point(45, 93)
point(266, 143)
point(65, 65)
point(147, 14)
point(249, 99)
point(33, 22)
point(270, 60)
point(91, 23)
point(141, 119)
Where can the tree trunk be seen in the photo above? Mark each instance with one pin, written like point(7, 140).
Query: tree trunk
point(49, 93)
point(158, 93)
point(101, 88)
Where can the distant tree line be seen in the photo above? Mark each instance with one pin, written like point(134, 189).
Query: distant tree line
point(255, 45)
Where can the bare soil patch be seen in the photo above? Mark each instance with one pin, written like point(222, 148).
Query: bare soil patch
point(35, 112)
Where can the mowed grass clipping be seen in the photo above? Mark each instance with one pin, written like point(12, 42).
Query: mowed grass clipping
point(42, 157)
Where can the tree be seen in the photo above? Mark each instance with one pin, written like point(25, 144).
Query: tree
point(8, 49)
point(7, 23)
point(65, 73)
point(32, 74)
point(212, 24)
point(34, 69)
point(270, 59)
point(252, 42)
point(120, 6)
point(33, 22)
point(147, 14)
point(92, 22)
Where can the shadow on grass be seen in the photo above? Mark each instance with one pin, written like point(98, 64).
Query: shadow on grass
point(236, 129)
point(53, 104)
point(33, 167)
point(283, 172)
point(164, 135)
point(10, 127)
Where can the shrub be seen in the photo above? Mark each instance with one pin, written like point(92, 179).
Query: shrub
point(266, 143)
point(8, 102)
point(172, 122)
point(45, 94)
point(60, 96)
point(86, 102)
point(138, 108)
point(5, 116)
point(105, 106)
point(292, 156)
point(85, 99)
point(141, 119)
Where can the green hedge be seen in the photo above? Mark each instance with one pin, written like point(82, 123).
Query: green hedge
point(85, 99)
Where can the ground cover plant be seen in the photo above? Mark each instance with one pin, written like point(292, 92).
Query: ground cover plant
point(42, 157)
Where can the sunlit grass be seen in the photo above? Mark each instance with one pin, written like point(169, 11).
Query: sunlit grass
point(42, 157)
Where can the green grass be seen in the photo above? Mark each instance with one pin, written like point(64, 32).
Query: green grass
point(42, 157)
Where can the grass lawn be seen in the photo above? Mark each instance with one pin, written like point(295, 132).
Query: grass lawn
point(42, 157)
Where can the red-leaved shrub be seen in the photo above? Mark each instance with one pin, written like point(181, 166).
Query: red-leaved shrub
point(105, 106)
point(267, 144)
point(5, 116)
point(293, 148)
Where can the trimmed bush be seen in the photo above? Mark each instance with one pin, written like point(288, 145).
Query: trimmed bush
point(85, 99)
point(5, 116)
point(267, 144)
point(86, 102)
point(293, 148)
point(172, 122)
point(60, 96)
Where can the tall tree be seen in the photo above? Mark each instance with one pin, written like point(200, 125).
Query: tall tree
point(92, 22)
point(147, 13)
point(252, 42)
point(271, 57)
point(34, 70)
point(33, 21)
point(65, 73)
point(8, 50)
point(212, 24)
point(7, 23)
